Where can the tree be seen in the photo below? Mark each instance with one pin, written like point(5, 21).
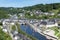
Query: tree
point(3, 14)
point(4, 36)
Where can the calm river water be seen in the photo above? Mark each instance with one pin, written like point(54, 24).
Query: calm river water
point(30, 31)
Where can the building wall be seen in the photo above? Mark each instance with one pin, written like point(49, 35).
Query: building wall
point(52, 25)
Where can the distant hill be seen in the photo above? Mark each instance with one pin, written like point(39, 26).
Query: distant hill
point(44, 8)
point(54, 7)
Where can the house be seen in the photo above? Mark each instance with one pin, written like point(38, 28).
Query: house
point(4, 22)
point(20, 37)
point(14, 17)
point(49, 13)
point(43, 24)
point(14, 32)
point(10, 15)
point(59, 14)
point(16, 37)
point(32, 21)
point(51, 23)
point(31, 13)
point(37, 12)
point(58, 21)
point(21, 15)
point(59, 25)
point(1, 20)
point(48, 23)
point(5, 30)
point(45, 13)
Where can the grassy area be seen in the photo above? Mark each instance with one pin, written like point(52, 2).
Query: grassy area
point(13, 27)
point(57, 33)
point(22, 32)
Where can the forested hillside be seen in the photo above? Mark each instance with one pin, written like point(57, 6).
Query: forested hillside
point(54, 7)
point(44, 8)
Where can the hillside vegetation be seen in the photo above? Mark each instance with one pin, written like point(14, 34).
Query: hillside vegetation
point(53, 7)
point(44, 8)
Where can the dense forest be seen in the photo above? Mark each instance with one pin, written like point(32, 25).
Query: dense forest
point(44, 7)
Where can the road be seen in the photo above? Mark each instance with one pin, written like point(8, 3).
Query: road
point(38, 30)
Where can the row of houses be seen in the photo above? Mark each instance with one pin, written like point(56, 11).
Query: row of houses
point(47, 23)
point(39, 12)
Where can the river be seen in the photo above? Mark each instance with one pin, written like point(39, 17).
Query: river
point(30, 31)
